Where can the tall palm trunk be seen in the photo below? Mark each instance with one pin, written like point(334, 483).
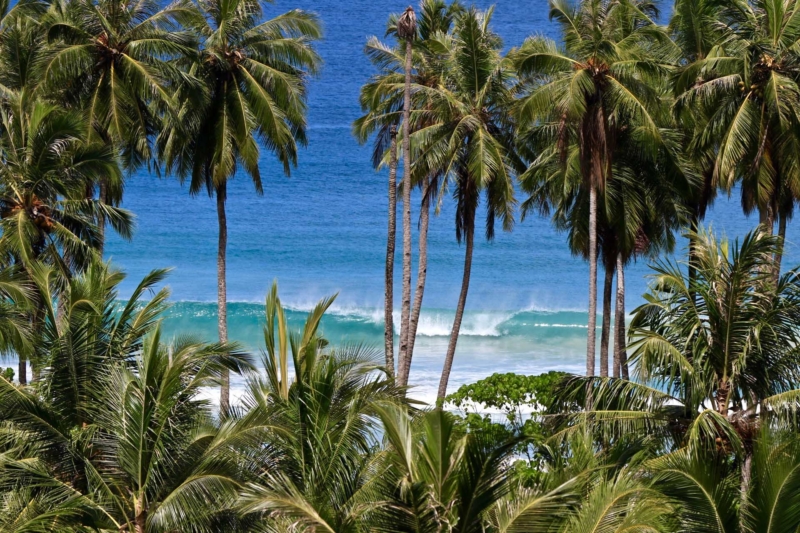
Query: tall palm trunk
point(405, 309)
point(592, 333)
point(691, 268)
point(101, 222)
point(462, 302)
point(779, 254)
point(604, 336)
point(22, 370)
point(766, 218)
point(388, 333)
point(620, 353)
point(222, 293)
point(422, 274)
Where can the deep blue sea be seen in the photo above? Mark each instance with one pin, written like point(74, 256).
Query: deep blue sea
point(323, 231)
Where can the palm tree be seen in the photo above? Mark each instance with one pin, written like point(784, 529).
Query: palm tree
point(122, 441)
point(637, 213)
point(750, 83)
point(466, 144)
point(709, 495)
point(110, 59)
point(253, 75)
point(695, 30)
point(44, 214)
point(383, 97)
point(605, 79)
point(318, 427)
point(406, 30)
point(713, 361)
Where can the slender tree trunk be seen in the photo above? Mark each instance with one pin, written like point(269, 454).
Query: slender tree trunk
point(405, 306)
point(422, 274)
point(222, 293)
point(620, 355)
point(22, 370)
point(766, 219)
point(747, 474)
point(388, 333)
point(691, 268)
point(462, 302)
point(604, 336)
point(592, 333)
point(779, 254)
point(101, 223)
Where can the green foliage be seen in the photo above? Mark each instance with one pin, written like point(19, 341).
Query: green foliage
point(509, 392)
point(7, 374)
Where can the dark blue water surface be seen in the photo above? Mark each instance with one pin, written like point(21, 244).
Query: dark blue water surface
point(324, 230)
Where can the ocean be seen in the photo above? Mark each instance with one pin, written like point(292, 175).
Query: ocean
point(323, 231)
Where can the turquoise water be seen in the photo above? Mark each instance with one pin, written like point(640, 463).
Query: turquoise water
point(323, 231)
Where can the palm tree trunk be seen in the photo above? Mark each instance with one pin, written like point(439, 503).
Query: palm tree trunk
point(140, 520)
point(23, 370)
point(405, 306)
point(462, 302)
point(592, 333)
point(779, 253)
point(691, 268)
point(388, 333)
point(422, 274)
point(222, 293)
point(766, 219)
point(620, 355)
point(604, 336)
point(101, 223)
point(747, 474)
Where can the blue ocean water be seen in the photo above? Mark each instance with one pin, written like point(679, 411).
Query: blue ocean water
point(323, 231)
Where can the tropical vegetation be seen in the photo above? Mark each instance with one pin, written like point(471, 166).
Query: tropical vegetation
point(622, 130)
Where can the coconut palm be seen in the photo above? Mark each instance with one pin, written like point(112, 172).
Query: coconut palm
point(713, 361)
point(750, 81)
point(637, 213)
point(606, 78)
point(407, 31)
point(114, 436)
point(253, 75)
point(21, 45)
point(383, 97)
point(709, 494)
point(110, 59)
point(44, 214)
point(466, 144)
point(47, 166)
point(311, 437)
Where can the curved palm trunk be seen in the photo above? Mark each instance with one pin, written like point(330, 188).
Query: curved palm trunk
point(620, 355)
point(405, 309)
point(604, 336)
point(388, 333)
point(422, 274)
point(222, 293)
point(592, 333)
point(462, 301)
